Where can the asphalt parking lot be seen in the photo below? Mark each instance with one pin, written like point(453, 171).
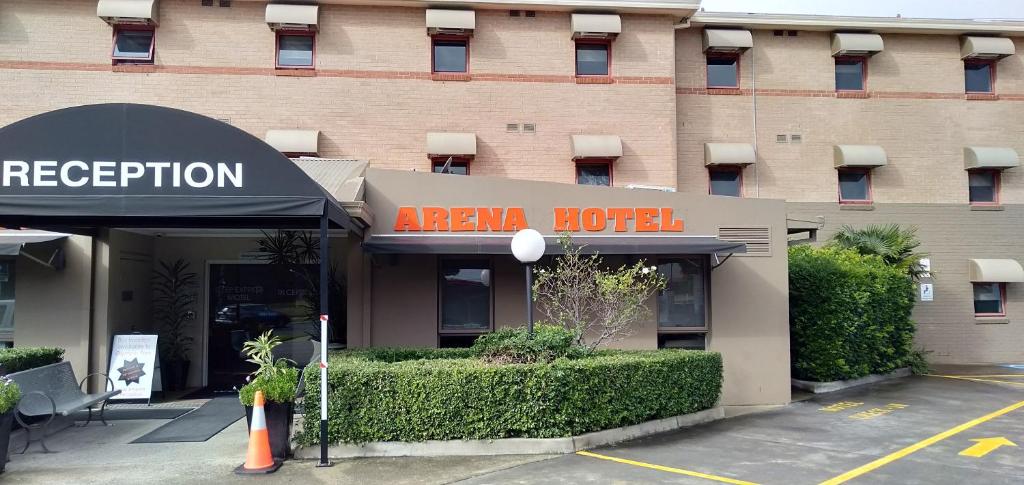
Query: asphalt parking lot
point(917, 430)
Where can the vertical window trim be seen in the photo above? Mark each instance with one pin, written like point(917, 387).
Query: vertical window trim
point(576, 57)
point(1002, 300)
point(449, 38)
point(596, 161)
point(706, 329)
point(863, 60)
point(727, 168)
point(439, 261)
point(277, 48)
point(133, 60)
point(707, 77)
point(991, 63)
point(997, 186)
point(434, 161)
point(870, 191)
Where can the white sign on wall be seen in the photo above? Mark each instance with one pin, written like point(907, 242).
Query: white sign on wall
point(926, 267)
point(133, 365)
point(927, 292)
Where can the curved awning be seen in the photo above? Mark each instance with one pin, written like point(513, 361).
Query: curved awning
point(850, 44)
point(451, 144)
point(132, 165)
point(596, 146)
point(595, 25)
point(727, 40)
point(986, 47)
point(859, 156)
point(281, 16)
point(998, 158)
point(294, 141)
point(728, 154)
point(116, 12)
point(996, 271)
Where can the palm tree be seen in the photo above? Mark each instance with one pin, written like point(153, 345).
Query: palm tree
point(896, 245)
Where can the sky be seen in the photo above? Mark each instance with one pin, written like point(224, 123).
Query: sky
point(946, 9)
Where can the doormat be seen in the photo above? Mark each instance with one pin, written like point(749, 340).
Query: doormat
point(199, 425)
point(133, 413)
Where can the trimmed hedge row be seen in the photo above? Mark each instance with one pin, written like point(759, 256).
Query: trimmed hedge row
point(18, 359)
point(443, 399)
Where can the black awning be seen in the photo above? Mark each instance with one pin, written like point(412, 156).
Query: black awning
point(500, 244)
point(131, 165)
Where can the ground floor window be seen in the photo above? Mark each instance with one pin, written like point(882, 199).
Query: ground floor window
point(854, 186)
point(683, 304)
point(466, 296)
point(687, 341)
point(990, 299)
point(983, 187)
point(6, 302)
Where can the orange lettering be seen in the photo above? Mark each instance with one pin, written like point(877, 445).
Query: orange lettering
point(645, 219)
point(567, 219)
point(435, 219)
point(515, 219)
point(407, 220)
point(668, 224)
point(620, 215)
point(460, 219)
point(488, 219)
point(594, 219)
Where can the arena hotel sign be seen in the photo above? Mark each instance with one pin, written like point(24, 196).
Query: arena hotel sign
point(510, 219)
point(102, 173)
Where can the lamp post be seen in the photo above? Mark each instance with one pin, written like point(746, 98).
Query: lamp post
point(528, 247)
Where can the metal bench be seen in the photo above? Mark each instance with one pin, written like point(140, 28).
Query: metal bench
point(52, 390)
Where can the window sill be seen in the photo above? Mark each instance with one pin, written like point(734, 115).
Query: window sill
point(682, 330)
point(852, 94)
point(450, 76)
point(993, 207)
point(725, 91)
point(991, 320)
point(145, 68)
point(295, 72)
point(856, 207)
point(594, 80)
point(981, 96)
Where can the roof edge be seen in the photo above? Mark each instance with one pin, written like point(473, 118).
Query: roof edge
point(682, 8)
point(874, 24)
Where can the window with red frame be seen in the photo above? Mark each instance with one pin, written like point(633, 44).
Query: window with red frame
point(851, 73)
point(450, 54)
point(133, 45)
point(593, 58)
point(723, 71)
point(983, 187)
point(725, 180)
point(990, 299)
point(979, 76)
point(295, 50)
point(458, 166)
point(594, 172)
point(854, 186)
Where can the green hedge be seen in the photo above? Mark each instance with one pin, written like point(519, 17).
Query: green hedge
point(849, 314)
point(441, 399)
point(18, 359)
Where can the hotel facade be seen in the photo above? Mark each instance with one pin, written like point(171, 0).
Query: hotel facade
point(723, 138)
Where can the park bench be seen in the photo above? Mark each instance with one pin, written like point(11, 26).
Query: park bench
point(52, 390)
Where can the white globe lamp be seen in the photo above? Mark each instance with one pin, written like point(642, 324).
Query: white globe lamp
point(528, 247)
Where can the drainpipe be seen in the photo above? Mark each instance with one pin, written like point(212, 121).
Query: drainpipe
point(753, 97)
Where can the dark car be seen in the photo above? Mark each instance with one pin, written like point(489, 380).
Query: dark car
point(251, 313)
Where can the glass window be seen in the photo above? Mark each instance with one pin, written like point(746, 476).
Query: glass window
point(726, 181)
point(594, 174)
point(849, 74)
point(591, 59)
point(295, 50)
point(978, 77)
point(687, 341)
point(465, 287)
point(456, 168)
point(983, 186)
point(450, 55)
point(722, 72)
point(6, 300)
point(854, 186)
point(988, 299)
point(135, 45)
point(683, 301)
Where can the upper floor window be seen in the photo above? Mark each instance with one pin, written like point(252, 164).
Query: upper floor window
point(590, 172)
point(850, 73)
point(854, 186)
point(457, 166)
point(723, 71)
point(725, 180)
point(593, 58)
point(979, 76)
point(983, 186)
point(450, 54)
point(133, 45)
point(990, 299)
point(295, 50)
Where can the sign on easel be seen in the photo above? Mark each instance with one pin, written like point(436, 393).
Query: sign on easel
point(134, 366)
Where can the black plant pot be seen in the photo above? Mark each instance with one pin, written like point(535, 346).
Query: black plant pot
point(279, 427)
point(175, 374)
point(5, 436)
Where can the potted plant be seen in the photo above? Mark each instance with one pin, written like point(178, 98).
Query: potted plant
point(174, 295)
point(10, 394)
point(278, 379)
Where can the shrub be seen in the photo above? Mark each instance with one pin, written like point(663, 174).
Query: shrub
point(18, 359)
point(443, 399)
point(10, 394)
point(849, 314)
point(515, 345)
point(278, 387)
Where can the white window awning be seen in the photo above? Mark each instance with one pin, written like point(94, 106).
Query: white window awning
point(996, 271)
point(294, 141)
point(281, 16)
point(728, 154)
point(11, 240)
point(116, 12)
point(986, 47)
point(599, 26)
point(450, 21)
point(859, 156)
point(727, 40)
point(849, 44)
point(596, 146)
point(998, 158)
point(451, 144)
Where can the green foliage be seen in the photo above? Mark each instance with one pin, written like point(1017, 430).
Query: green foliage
point(918, 363)
point(398, 354)
point(849, 314)
point(278, 387)
point(894, 244)
point(10, 394)
point(174, 296)
point(515, 345)
point(442, 399)
point(18, 359)
point(260, 351)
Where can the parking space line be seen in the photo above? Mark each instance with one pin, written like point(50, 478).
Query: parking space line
point(885, 460)
point(678, 471)
point(966, 378)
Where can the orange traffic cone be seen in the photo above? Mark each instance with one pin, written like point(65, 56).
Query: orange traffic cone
point(258, 459)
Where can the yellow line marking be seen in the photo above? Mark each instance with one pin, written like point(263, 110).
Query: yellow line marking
point(1019, 376)
point(679, 471)
point(885, 460)
point(962, 378)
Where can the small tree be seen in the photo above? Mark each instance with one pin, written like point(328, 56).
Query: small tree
point(896, 245)
point(598, 304)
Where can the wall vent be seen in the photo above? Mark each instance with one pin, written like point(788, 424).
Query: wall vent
point(792, 33)
point(779, 33)
point(513, 13)
point(796, 138)
point(529, 128)
point(757, 238)
point(206, 3)
point(780, 138)
point(531, 13)
point(512, 128)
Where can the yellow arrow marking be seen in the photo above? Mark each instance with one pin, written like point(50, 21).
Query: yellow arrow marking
point(985, 445)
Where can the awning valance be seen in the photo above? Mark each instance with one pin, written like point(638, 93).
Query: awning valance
point(726, 40)
point(728, 154)
point(596, 146)
point(859, 156)
point(451, 144)
point(500, 244)
point(986, 47)
point(441, 21)
point(287, 16)
point(1000, 158)
point(996, 271)
point(587, 25)
point(11, 240)
point(849, 44)
point(294, 141)
point(127, 11)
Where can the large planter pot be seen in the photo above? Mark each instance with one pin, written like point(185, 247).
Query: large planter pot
point(279, 426)
point(5, 436)
point(175, 374)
